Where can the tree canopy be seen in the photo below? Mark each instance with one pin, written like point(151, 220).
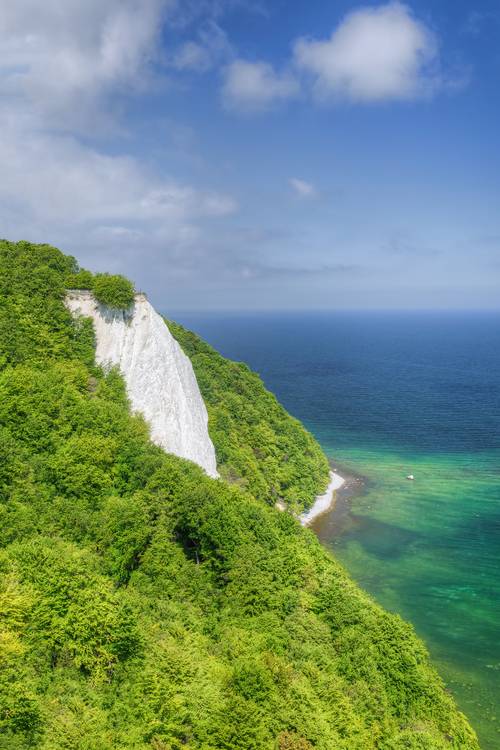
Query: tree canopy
point(146, 606)
point(113, 290)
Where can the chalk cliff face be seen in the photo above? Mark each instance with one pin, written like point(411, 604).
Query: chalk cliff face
point(160, 381)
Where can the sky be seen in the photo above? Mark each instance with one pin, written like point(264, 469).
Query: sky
point(259, 154)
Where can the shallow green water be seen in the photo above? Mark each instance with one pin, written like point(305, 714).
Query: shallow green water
point(426, 549)
point(391, 394)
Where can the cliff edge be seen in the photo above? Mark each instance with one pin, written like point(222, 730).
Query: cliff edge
point(160, 380)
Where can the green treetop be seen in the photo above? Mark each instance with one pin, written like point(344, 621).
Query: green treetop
point(113, 290)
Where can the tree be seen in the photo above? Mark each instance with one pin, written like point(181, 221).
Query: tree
point(113, 290)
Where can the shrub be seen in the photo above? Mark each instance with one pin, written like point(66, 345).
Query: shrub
point(113, 290)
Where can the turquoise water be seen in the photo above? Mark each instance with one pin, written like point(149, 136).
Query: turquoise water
point(388, 395)
point(428, 550)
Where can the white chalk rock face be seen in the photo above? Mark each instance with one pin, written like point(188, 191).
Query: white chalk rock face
point(160, 380)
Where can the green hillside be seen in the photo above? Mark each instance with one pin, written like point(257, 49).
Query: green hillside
point(146, 606)
point(258, 444)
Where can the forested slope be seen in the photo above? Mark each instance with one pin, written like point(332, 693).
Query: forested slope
point(144, 605)
point(258, 444)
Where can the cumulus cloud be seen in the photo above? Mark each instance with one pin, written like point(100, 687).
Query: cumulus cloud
point(302, 188)
point(66, 57)
point(255, 86)
point(61, 66)
point(375, 54)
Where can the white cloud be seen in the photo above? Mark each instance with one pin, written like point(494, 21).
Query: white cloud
point(375, 54)
point(302, 188)
point(64, 57)
point(110, 211)
point(61, 66)
point(54, 178)
point(256, 86)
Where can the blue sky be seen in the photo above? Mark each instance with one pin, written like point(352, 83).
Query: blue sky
point(249, 154)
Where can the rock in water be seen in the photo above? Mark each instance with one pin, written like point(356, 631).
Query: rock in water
point(160, 380)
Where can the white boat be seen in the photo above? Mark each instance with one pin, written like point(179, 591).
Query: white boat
point(410, 476)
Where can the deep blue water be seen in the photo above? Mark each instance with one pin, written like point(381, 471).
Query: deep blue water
point(425, 380)
point(387, 394)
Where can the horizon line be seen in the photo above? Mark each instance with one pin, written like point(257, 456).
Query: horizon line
point(313, 310)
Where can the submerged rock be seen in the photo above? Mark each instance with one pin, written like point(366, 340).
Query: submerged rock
point(160, 380)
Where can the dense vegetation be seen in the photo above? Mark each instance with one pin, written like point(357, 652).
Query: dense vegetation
point(258, 444)
point(109, 289)
point(144, 605)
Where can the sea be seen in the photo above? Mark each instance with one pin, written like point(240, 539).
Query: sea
point(389, 394)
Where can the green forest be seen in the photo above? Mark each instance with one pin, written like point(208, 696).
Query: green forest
point(258, 444)
point(146, 606)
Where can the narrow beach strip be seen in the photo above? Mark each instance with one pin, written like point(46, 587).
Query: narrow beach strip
point(323, 502)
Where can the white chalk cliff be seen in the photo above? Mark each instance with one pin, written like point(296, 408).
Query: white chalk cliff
point(160, 380)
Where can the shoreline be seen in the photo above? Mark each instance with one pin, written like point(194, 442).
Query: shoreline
point(323, 503)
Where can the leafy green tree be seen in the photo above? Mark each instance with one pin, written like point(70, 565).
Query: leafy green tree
point(113, 290)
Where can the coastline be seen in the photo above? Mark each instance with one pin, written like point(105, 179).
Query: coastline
point(323, 503)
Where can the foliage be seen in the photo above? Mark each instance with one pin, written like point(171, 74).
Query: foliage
point(259, 446)
point(109, 289)
point(82, 279)
point(144, 605)
point(113, 290)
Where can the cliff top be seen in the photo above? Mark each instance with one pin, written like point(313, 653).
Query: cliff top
point(89, 294)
